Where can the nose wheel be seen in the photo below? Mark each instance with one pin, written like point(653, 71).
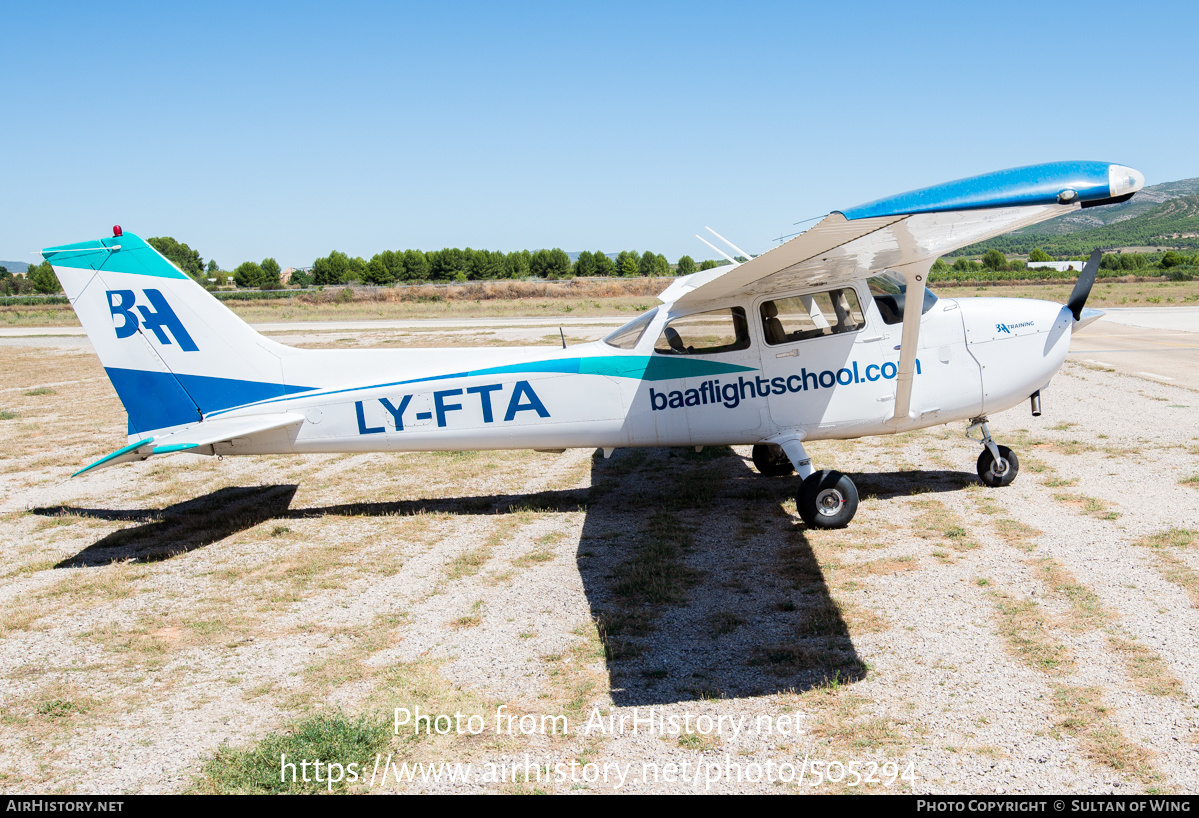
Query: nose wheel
point(997, 471)
point(997, 465)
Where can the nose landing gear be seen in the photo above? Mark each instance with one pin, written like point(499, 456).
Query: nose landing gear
point(997, 465)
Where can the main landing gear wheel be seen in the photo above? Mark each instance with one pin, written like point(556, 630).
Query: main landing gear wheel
point(998, 473)
point(827, 499)
point(771, 460)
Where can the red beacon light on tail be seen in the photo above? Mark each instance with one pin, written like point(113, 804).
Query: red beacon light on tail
point(116, 231)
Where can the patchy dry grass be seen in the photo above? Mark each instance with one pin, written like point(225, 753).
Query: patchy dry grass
point(1145, 666)
point(1172, 568)
point(849, 721)
point(468, 563)
point(1081, 713)
point(1147, 669)
point(1086, 612)
point(1091, 506)
point(1027, 629)
point(881, 566)
point(934, 521)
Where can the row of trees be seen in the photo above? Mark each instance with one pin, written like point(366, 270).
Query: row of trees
point(454, 264)
point(391, 267)
point(449, 264)
point(39, 279)
point(264, 276)
point(995, 261)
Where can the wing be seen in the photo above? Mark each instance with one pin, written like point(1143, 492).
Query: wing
point(907, 233)
point(914, 229)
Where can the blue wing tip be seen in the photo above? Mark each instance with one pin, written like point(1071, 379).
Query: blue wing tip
point(1050, 183)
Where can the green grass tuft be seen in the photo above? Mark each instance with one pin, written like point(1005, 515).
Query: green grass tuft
point(330, 737)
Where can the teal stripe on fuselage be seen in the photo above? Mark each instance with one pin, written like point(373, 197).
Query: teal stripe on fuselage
point(639, 367)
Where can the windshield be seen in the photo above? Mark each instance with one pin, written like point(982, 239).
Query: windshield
point(889, 291)
point(627, 336)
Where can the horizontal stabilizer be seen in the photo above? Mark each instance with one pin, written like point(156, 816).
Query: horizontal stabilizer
point(134, 451)
point(214, 431)
point(193, 437)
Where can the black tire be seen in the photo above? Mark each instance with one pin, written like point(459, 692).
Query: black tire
point(771, 461)
point(1001, 473)
point(827, 499)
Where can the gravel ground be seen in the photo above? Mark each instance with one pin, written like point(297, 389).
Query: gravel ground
point(1030, 639)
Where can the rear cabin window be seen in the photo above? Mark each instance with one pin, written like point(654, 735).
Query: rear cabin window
point(705, 333)
point(811, 316)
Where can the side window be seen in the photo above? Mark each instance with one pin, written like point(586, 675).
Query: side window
point(811, 316)
point(705, 333)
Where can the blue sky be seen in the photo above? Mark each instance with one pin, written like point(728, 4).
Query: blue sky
point(291, 129)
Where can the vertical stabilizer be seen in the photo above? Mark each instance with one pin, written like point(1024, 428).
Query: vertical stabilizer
point(172, 351)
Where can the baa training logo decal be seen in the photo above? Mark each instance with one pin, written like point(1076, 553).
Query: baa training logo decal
point(1009, 327)
point(158, 320)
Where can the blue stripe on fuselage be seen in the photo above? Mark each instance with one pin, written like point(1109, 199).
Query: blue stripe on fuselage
point(156, 400)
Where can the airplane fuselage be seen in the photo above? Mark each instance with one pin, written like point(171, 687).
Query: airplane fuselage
point(975, 356)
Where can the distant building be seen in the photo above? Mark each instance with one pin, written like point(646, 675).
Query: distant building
point(285, 275)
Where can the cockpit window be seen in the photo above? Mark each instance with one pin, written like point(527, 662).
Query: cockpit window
point(627, 336)
point(811, 316)
point(705, 333)
point(889, 291)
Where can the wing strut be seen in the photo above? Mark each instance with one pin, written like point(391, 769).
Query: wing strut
point(916, 276)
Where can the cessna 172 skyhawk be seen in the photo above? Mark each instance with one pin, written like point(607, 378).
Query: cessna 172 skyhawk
point(830, 335)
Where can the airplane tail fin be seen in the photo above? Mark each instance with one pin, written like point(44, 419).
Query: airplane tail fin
point(173, 352)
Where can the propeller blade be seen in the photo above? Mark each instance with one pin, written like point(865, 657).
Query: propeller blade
point(1086, 280)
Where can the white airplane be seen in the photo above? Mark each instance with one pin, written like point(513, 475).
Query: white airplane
point(818, 338)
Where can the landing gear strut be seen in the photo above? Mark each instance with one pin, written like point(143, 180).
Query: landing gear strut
point(997, 465)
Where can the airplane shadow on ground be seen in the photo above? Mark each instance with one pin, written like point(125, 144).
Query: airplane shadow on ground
point(184, 527)
point(700, 583)
point(704, 583)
